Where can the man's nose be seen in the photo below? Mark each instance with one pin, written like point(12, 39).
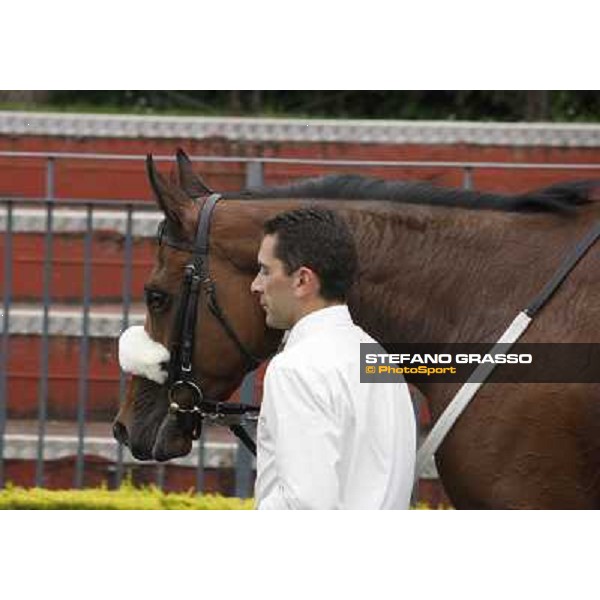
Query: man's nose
point(255, 286)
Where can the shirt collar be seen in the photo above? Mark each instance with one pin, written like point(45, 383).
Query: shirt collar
point(331, 316)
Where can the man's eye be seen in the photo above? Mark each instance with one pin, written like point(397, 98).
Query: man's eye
point(156, 299)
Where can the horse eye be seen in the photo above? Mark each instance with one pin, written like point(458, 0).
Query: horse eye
point(156, 300)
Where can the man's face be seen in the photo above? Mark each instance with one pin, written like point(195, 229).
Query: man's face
point(274, 287)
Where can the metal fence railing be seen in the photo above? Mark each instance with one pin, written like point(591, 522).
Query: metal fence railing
point(47, 218)
point(254, 166)
point(44, 329)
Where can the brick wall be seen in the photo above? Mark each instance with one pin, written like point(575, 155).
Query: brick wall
point(127, 180)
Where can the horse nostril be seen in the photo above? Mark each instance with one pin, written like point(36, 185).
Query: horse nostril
point(120, 433)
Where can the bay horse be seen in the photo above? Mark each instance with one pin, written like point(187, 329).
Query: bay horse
point(435, 265)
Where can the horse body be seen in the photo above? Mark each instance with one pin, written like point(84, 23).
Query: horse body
point(456, 275)
point(427, 274)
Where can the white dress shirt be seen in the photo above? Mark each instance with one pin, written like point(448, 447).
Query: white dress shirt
point(325, 440)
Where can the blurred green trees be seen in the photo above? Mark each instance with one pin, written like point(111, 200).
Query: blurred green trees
point(474, 105)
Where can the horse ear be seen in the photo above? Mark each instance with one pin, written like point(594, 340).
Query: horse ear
point(177, 207)
point(189, 182)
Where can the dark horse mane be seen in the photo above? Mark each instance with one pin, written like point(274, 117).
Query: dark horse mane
point(561, 197)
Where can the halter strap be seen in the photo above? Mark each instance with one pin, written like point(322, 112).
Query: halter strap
point(197, 277)
point(568, 264)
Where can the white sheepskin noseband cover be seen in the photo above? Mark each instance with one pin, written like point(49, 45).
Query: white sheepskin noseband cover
point(140, 355)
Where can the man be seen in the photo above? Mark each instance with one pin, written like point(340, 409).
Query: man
point(325, 440)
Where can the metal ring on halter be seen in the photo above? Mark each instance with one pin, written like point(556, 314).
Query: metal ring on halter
point(174, 406)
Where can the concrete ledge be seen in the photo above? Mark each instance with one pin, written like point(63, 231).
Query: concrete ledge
point(217, 455)
point(300, 130)
point(104, 321)
point(61, 440)
point(73, 220)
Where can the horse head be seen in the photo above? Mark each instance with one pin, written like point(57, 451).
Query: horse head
point(207, 294)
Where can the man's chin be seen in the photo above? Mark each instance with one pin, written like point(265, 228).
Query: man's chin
point(273, 324)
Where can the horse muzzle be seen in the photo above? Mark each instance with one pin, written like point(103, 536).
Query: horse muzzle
point(172, 438)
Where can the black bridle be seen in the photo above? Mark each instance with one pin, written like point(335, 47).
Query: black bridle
point(180, 377)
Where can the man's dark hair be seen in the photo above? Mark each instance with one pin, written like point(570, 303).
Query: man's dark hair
point(320, 239)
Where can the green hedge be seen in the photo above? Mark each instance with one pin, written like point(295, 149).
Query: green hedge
point(126, 498)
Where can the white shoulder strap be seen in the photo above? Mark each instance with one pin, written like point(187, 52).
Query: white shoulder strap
point(465, 394)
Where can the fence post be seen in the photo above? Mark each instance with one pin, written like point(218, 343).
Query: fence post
point(8, 258)
point(254, 173)
point(243, 464)
point(127, 285)
point(83, 383)
point(50, 177)
point(200, 465)
point(467, 178)
point(44, 351)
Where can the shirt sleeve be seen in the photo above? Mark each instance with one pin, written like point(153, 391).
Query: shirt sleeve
point(306, 431)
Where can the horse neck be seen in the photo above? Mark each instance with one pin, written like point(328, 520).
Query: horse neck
point(425, 272)
point(434, 274)
point(422, 269)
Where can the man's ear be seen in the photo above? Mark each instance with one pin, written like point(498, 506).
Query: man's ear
point(307, 281)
